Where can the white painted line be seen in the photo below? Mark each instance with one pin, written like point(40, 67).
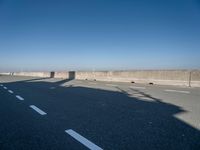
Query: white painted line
point(111, 85)
point(5, 87)
point(19, 97)
point(92, 83)
point(1, 84)
point(186, 92)
point(10, 91)
point(83, 140)
point(38, 110)
point(137, 87)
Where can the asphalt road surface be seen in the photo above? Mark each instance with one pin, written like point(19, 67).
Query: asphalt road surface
point(57, 114)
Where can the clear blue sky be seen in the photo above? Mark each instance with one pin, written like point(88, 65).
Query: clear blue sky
point(99, 34)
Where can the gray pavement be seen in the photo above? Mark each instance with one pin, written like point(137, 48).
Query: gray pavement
point(48, 113)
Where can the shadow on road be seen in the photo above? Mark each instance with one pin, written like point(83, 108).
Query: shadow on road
point(112, 119)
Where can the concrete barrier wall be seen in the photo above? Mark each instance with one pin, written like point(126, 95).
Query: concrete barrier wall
point(195, 78)
point(32, 74)
point(5, 73)
point(156, 77)
point(63, 75)
point(161, 77)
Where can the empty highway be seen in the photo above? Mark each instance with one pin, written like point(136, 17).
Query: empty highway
point(61, 114)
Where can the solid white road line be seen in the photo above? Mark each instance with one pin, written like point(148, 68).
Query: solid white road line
point(10, 91)
point(83, 140)
point(19, 97)
point(92, 83)
point(177, 91)
point(37, 110)
point(111, 85)
point(137, 87)
point(5, 87)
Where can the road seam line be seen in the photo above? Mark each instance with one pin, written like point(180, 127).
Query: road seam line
point(83, 140)
point(19, 97)
point(41, 112)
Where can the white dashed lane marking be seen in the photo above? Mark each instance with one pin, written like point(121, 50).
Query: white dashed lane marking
point(177, 91)
point(1, 84)
point(10, 91)
point(52, 88)
point(83, 140)
point(41, 112)
point(5, 87)
point(19, 97)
